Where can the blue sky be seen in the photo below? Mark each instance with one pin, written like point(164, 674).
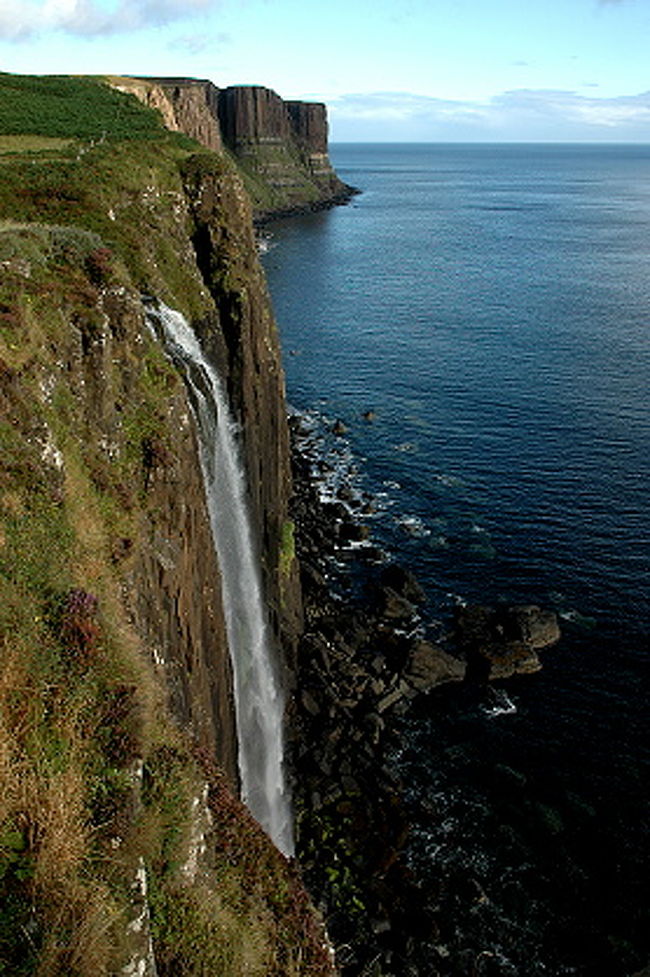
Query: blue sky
point(388, 69)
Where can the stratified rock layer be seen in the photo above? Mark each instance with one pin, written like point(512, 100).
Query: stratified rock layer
point(283, 145)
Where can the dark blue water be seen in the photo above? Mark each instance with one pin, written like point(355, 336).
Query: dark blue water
point(491, 306)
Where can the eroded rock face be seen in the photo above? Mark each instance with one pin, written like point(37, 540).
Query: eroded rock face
point(195, 110)
point(309, 123)
point(186, 105)
point(174, 597)
point(283, 144)
point(252, 114)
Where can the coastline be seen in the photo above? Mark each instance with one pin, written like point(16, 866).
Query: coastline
point(342, 197)
point(364, 665)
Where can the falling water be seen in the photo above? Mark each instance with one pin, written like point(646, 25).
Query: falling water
point(259, 701)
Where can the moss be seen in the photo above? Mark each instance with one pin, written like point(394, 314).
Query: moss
point(287, 554)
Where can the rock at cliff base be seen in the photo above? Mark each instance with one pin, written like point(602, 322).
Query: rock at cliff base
point(403, 582)
point(392, 606)
point(503, 641)
point(536, 627)
point(429, 666)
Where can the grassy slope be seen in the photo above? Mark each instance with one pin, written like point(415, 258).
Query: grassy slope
point(95, 778)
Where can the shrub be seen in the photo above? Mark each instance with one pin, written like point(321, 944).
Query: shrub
point(74, 618)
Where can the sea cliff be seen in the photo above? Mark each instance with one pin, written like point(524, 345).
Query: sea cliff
point(123, 846)
point(124, 849)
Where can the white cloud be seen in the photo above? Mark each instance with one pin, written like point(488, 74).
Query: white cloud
point(22, 19)
point(525, 114)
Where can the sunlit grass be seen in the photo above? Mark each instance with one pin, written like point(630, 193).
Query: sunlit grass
point(32, 144)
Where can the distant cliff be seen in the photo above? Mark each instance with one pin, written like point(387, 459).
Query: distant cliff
point(281, 147)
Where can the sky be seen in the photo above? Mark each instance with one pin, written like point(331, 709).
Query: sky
point(388, 70)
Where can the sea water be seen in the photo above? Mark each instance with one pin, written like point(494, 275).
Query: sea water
point(479, 320)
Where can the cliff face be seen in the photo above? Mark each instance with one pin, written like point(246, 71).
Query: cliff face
point(226, 253)
point(122, 847)
point(309, 121)
point(186, 105)
point(281, 148)
point(252, 114)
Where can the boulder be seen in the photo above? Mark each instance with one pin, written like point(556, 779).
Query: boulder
point(536, 627)
point(392, 606)
point(501, 642)
point(430, 666)
point(504, 660)
point(353, 532)
point(403, 582)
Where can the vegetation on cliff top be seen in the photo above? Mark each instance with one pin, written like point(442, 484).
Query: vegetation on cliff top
point(73, 107)
point(114, 830)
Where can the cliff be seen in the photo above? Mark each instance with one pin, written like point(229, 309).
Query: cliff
point(280, 147)
point(186, 105)
point(123, 848)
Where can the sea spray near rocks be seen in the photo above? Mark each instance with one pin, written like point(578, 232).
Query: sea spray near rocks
point(259, 699)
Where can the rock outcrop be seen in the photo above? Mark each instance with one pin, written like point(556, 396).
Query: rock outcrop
point(247, 348)
point(498, 642)
point(186, 105)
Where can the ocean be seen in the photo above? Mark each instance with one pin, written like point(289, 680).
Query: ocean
point(478, 320)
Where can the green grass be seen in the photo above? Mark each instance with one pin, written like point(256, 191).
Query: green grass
point(264, 170)
point(64, 107)
point(32, 144)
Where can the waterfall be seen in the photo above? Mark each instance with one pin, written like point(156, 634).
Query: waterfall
point(259, 700)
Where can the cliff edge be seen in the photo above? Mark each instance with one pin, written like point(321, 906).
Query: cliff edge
point(282, 150)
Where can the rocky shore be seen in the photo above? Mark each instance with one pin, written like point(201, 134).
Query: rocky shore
point(338, 199)
point(363, 663)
